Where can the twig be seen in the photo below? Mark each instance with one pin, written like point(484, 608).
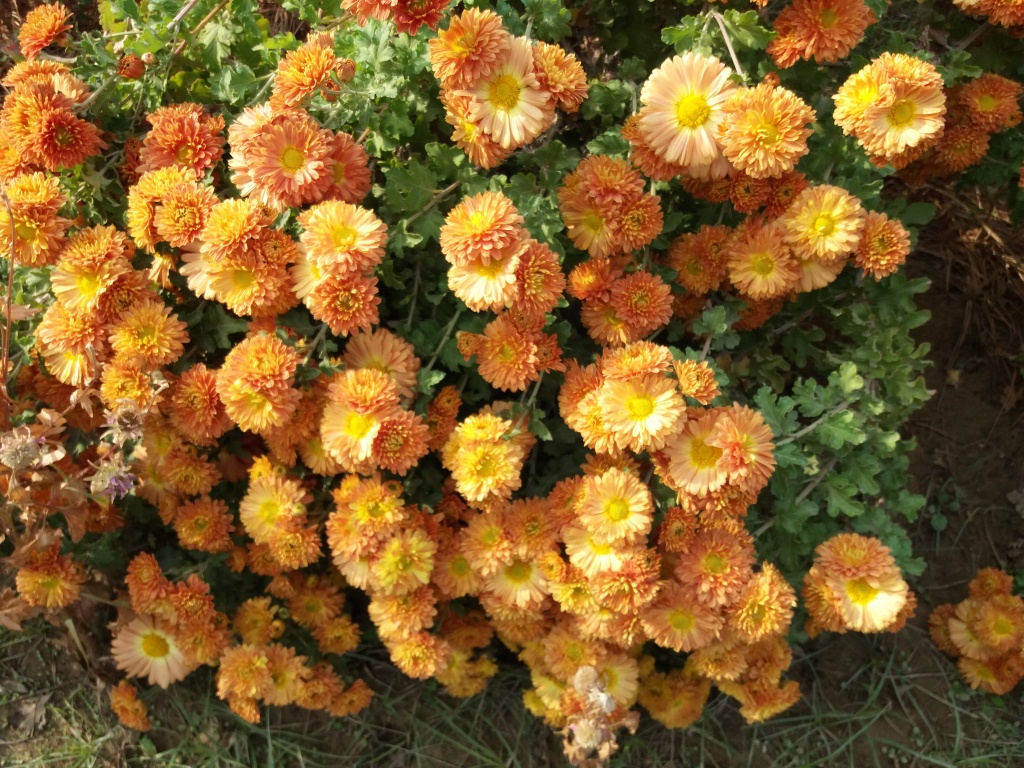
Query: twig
point(444, 340)
point(317, 340)
point(181, 14)
point(5, 355)
point(707, 348)
point(982, 28)
point(206, 20)
point(728, 44)
point(815, 424)
point(415, 295)
point(433, 203)
point(816, 481)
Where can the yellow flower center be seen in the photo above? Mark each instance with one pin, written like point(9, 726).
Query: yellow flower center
point(87, 285)
point(987, 102)
point(692, 111)
point(155, 646)
point(901, 113)
point(860, 592)
point(344, 237)
point(680, 620)
point(640, 407)
point(767, 134)
point(519, 572)
point(503, 92)
point(828, 18)
point(485, 467)
point(616, 510)
point(593, 221)
point(490, 270)
point(292, 159)
point(339, 173)
point(358, 426)
point(824, 224)
point(762, 264)
point(185, 154)
point(1002, 626)
point(269, 511)
point(713, 563)
point(702, 455)
point(460, 566)
point(27, 232)
point(242, 278)
point(63, 137)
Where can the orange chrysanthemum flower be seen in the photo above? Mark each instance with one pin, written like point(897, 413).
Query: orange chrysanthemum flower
point(509, 104)
point(42, 25)
point(470, 50)
point(643, 156)
point(560, 74)
point(182, 135)
point(682, 109)
point(147, 647)
point(35, 199)
point(507, 354)
point(764, 608)
point(642, 301)
point(347, 303)
point(383, 351)
point(642, 413)
point(825, 30)
point(480, 229)
point(824, 223)
point(615, 508)
point(483, 150)
point(694, 464)
point(49, 579)
point(697, 380)
point(760, 263)
point(126, 705)
point(255, 383)
point(716, 567)
point(884, 245)
point(699, 258)
point(762, 130)
point(991, 102)
point(182, 213)
point(351, 170)
point(342, 239)
point(204, 524)
point(302, 71)
point(358, 403)
point(148, 334)
point(678, 621)
point(288, 164)
point(484, 285)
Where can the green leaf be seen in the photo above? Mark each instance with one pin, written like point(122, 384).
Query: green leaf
point(917, 214)
point(551, 19)
point(234, 84)
point(684, 37)
point(609, 143)
point(841, 428)
point(537, 425)
point(428, 380)
point(409, 187)
point(745, 30)
point(847, 379)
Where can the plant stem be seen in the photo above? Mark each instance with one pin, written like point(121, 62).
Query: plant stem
point(317, 340)
point(181, 14)
point(415, 295)
point(5, 355)
point(444, 340)
point(728, 44)
point(433, 202)
point(206, 20)
point(814, 424)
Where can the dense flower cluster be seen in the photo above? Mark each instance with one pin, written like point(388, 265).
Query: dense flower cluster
point(313, 467)
point(500, 92)
point(984, 633)
point(854, 584)
point(1005, 13)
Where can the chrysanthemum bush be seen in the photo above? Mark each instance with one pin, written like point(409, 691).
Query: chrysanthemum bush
point(421, 333)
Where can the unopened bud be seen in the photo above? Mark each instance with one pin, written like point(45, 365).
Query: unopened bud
point(149, 58)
